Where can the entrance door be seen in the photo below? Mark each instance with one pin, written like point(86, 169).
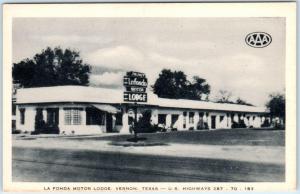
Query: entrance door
point(52, 116)
point(213, 122)
point(109, 122)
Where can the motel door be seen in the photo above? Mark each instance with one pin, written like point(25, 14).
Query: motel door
point(213, 122)
point(52, 116)
point(109, 122)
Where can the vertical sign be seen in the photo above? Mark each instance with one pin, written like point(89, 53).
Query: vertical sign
point(135, 87)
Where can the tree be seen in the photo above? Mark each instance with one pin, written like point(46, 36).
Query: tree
point(52, 67)
point(276, 105)
point(176, 85)
point(242, 102)
point(224, 96)
point(199, 88)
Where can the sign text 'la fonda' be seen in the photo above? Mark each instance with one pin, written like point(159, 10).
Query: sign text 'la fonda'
point(135, 81)
point(135, 87)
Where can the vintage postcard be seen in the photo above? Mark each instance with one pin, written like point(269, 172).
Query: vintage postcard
point(183, 97)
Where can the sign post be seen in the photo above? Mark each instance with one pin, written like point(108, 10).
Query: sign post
point(135, 84)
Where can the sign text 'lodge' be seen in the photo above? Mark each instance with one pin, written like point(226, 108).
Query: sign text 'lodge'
point(135, 87)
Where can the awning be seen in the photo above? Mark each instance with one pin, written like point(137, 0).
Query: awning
point(106, 108)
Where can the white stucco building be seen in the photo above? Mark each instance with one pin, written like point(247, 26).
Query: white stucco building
point(89, 110)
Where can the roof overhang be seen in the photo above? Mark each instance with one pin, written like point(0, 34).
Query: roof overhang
point(106, 108)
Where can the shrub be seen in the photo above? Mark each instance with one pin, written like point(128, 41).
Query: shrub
point(34, 133)
point(157, 128)
point(16, 131)
point(241, 124)
point(50, 129)
point(205, 125)
point(266, 123)
point(202, 125)
point(279, 126)
point(174, 129)
point(144, 124)
point(191, 128)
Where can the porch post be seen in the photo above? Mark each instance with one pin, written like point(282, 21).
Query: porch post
point(218, 121)
point(125, 126)
point(83, 116)
point(196, 119)
point(208, 120)
point(61, 119)
point(44, 111)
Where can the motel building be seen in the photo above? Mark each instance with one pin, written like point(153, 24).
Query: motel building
point(90, 110)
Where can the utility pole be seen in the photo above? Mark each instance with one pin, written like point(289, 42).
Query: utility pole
point(135, 120)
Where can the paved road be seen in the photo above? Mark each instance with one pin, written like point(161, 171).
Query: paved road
point(60, 165)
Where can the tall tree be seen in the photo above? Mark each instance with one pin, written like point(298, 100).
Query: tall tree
point(200, 88)
point(276, 105)
point(176, 85)
point(52, 67)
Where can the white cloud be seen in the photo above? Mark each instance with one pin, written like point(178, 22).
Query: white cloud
point(118, 57)
point(244, 75)
point(72, 39)
point(107, 79)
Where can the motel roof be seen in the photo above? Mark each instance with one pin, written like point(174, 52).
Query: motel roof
point(84, 94)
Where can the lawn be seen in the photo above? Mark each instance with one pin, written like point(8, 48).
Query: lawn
point(261, 137)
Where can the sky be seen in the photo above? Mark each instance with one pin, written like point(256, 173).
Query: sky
point(212, 48)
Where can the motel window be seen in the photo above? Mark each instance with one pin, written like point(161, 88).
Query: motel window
point(73, 116)
point(162, 118)
point(119, 118)
point(94, 116)
point(22, 116)
point(191, 117)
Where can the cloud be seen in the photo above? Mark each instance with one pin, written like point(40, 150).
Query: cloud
point(107, 79)
point(244, 75)
point(118, 57)
point(72, 39)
